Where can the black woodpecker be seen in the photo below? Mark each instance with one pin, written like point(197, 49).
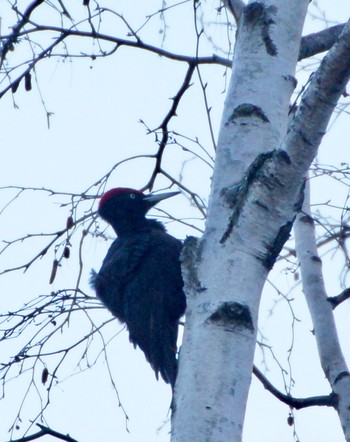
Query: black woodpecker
point(140, 279)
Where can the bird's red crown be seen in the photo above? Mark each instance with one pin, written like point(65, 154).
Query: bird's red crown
point(115, 192)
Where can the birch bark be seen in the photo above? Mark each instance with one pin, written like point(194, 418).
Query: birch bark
point(225, 271)
point(257, 190)
point(325, 331)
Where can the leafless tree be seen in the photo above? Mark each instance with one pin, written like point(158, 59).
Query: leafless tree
point(263, 161)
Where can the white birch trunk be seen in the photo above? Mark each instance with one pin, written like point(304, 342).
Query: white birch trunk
point(250, 215)
point(325, 331)
point(226, 271)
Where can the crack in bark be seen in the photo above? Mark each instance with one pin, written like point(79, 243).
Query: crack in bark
point(274, 249)
point(236, 196)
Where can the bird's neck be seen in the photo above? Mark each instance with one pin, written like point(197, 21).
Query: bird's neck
point(126, 229)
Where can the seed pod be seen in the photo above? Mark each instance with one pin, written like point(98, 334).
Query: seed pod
point(70, 222)
point(53, 271)
point(290, 420)
point(14, 86)
point(66, 252)
point(44, 376)
point(28, 82)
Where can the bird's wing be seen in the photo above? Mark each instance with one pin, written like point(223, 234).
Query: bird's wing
point(154, 301)
point(118, 268)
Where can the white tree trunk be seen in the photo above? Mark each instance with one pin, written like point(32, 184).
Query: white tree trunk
point(325, 331)
point(226, 271)
point(256, 193)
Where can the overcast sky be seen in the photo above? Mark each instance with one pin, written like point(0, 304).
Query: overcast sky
point(96, 107)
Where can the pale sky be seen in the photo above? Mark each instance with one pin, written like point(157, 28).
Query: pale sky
point(96, 108)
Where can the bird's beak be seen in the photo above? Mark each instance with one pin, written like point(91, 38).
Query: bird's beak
point(153, 199)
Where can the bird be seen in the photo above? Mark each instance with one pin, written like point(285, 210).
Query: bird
point(140, 279)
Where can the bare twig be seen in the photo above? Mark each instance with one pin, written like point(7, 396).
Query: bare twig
point(297, 403)
point(165, 123)
point(336, 300)
point(236, 7)
point(45, 431)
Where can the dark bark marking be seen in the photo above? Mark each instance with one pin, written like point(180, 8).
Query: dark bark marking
point(274, 249)
point(306, 139)
point(248, 110)
point(189, 260)
point(258, 14)
point(231, 194)
point(341, 376)
point(233, 316)
point(316, 259)
point(291, 80)
point(307, 219)
point(299, 203)
point(236, 195)
point(283, 155)
point(260, 204)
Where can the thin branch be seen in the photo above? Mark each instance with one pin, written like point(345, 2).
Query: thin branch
point(325, 331)
point(336, 300)
point(44, 432)
point(214, 59)
point(13, 37)
point(298, 403)
point(318, 42)
point(43, 251)
point(203, 85)
point(236, 7)
point(164, 125)
point(25, 75)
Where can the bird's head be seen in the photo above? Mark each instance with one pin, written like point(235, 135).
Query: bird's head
point(125, 209)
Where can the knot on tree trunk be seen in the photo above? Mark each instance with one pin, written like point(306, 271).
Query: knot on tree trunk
point(232, 316)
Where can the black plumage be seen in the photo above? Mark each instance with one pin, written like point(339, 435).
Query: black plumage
point(140, 279)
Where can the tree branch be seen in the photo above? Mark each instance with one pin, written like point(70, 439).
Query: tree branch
point(119, 42)
point(8, 45)
point(44, 432)
point(164, 125)
point(311, 119)
point(318, 42)
point(236, 7)
point(297, 403)
point(69, 32)
point(336, 300)
point(311, 44)
point(331, 356)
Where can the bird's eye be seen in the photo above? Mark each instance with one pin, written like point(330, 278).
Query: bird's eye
point(132, 196)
